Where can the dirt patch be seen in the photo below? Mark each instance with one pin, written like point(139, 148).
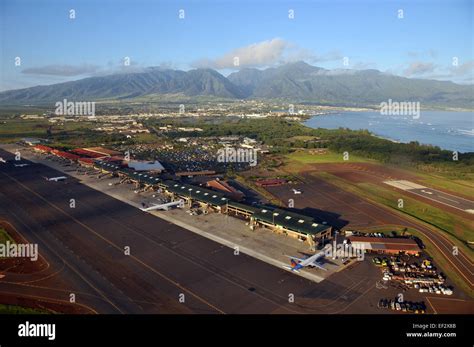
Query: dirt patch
point(354, 177)
point(366, 170)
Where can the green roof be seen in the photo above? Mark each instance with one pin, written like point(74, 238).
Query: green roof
point(106, 166)
point(290, 220)
point(198, 193)
point(279, 217)
point(248, 208)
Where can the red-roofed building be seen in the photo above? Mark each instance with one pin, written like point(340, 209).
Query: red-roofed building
point(103, 151)
point(386, 245)
point(65, 155)
point(86, 153)
point(86, 161)
point(42, 148)
point(115, 160)
point(227, 189)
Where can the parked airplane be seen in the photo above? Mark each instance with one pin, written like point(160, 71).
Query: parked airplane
point(299, 263)
point(56, 179)
point(21, 165)
point(164, 207)
point(296, 191)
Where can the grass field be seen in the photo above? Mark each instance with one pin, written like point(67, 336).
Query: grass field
point(14, 129)
point(4, 236)
point(305, 157)
point(12, 309)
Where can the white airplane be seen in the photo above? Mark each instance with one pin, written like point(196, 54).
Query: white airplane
point(21, 165)
point(296, 191)
point(2, 160)
point(165, 206)
point(56, 179)
point(299, 263)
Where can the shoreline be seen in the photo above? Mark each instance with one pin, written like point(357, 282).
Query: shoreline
point(381, 136)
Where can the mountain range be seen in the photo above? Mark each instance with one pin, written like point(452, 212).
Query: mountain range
point(296, 82)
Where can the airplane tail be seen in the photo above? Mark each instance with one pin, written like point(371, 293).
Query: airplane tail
point(291, 268)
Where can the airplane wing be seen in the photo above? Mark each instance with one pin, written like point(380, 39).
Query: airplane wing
point(296, 258)
point(319, 266)
point(312, 261)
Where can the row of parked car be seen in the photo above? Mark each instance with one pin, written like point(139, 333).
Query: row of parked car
point(434, 289)
point(404, 306)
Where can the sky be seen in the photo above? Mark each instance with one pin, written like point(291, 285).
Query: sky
point(52, 41)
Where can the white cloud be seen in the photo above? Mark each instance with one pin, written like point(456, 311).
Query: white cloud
point(462, 73)
point(257, 54)
point(418, 68)
point(264, 54)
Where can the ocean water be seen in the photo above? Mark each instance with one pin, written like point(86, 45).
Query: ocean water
point(449, 130)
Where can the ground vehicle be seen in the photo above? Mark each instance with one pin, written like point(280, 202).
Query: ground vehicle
point(377, 261)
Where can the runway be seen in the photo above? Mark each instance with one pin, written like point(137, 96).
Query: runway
point(169, 269)
point(446, 199)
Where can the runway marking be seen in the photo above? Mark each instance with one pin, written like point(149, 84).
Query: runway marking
point(432, 306)
point(117, 247)
point(438, 196)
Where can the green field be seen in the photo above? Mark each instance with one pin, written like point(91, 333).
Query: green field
point(13, 309)
point(329, 157)
point(12, 130)
point(4, 236)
